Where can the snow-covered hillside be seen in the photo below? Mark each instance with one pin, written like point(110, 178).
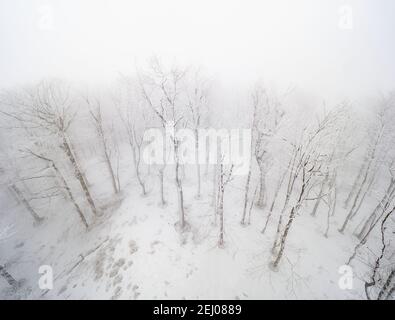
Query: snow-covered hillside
point(134, 251)
point(138, 253)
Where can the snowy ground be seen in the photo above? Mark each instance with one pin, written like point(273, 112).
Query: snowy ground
point(133, 250)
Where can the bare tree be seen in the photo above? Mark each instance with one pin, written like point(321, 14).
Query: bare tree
point(135, 119)
point(223, 180)
point(332, 200)
point(380, 211)
point(255, 98)
point(377, 264)
point(386, 286)
point(354, 187)
point(4, 273)
point(197, 102)
point(308, 158)
point(382, 206)
point(26, 204)
point(246, 195)
point(136, 143)
point(308, 170)
point(215, 187)
point(64, 183)
point(291, 171)
point(10, 280)
point(267, 115)
point(167, 84)
point(252, 204)
point(275, 196)
point(46, 112)
point(368, 173)
point(339, 152)
point(95, 112)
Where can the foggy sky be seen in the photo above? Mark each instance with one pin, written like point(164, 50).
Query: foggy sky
point(289, 42)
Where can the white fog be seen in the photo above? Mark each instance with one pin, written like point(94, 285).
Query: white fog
point(197, 149)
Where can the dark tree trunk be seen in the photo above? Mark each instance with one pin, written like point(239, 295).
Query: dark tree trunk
point(247, 188)
point(354, 186)
point(70, 194)
point(10, 280)
point(21, 197)
point(79, 175)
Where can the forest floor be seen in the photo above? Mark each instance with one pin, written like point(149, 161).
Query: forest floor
point(134, 251)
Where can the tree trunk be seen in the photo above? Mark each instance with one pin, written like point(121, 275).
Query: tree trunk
point(355, 203)
point(215, 186)
point(182, 222)
point(221, 207)
point(280, 223)
point(251, 205)
point(79, 175)
point(290, 221)
point(383, 204)
point(390, 293)
point(369, 186)
point(207, 160)
point(247, 187)
point(197, 163)
point(354, 186)
point(10, 280)
point(276, 193)
point(162, 194)
point(136, 160)
point(111, 171)
point(370, 157)
point(180, 198)
point(386, 285)
point(334, 199)
point(260, 203)
point(291, 183)
point(284, 238)
point(318, 201)
point(97, 118)
point(221, 218)
point(20, 196)
point(278, 231)
point(70, 194)
point(363, 241)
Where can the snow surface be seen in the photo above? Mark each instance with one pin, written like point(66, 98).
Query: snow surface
point(133, 250)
